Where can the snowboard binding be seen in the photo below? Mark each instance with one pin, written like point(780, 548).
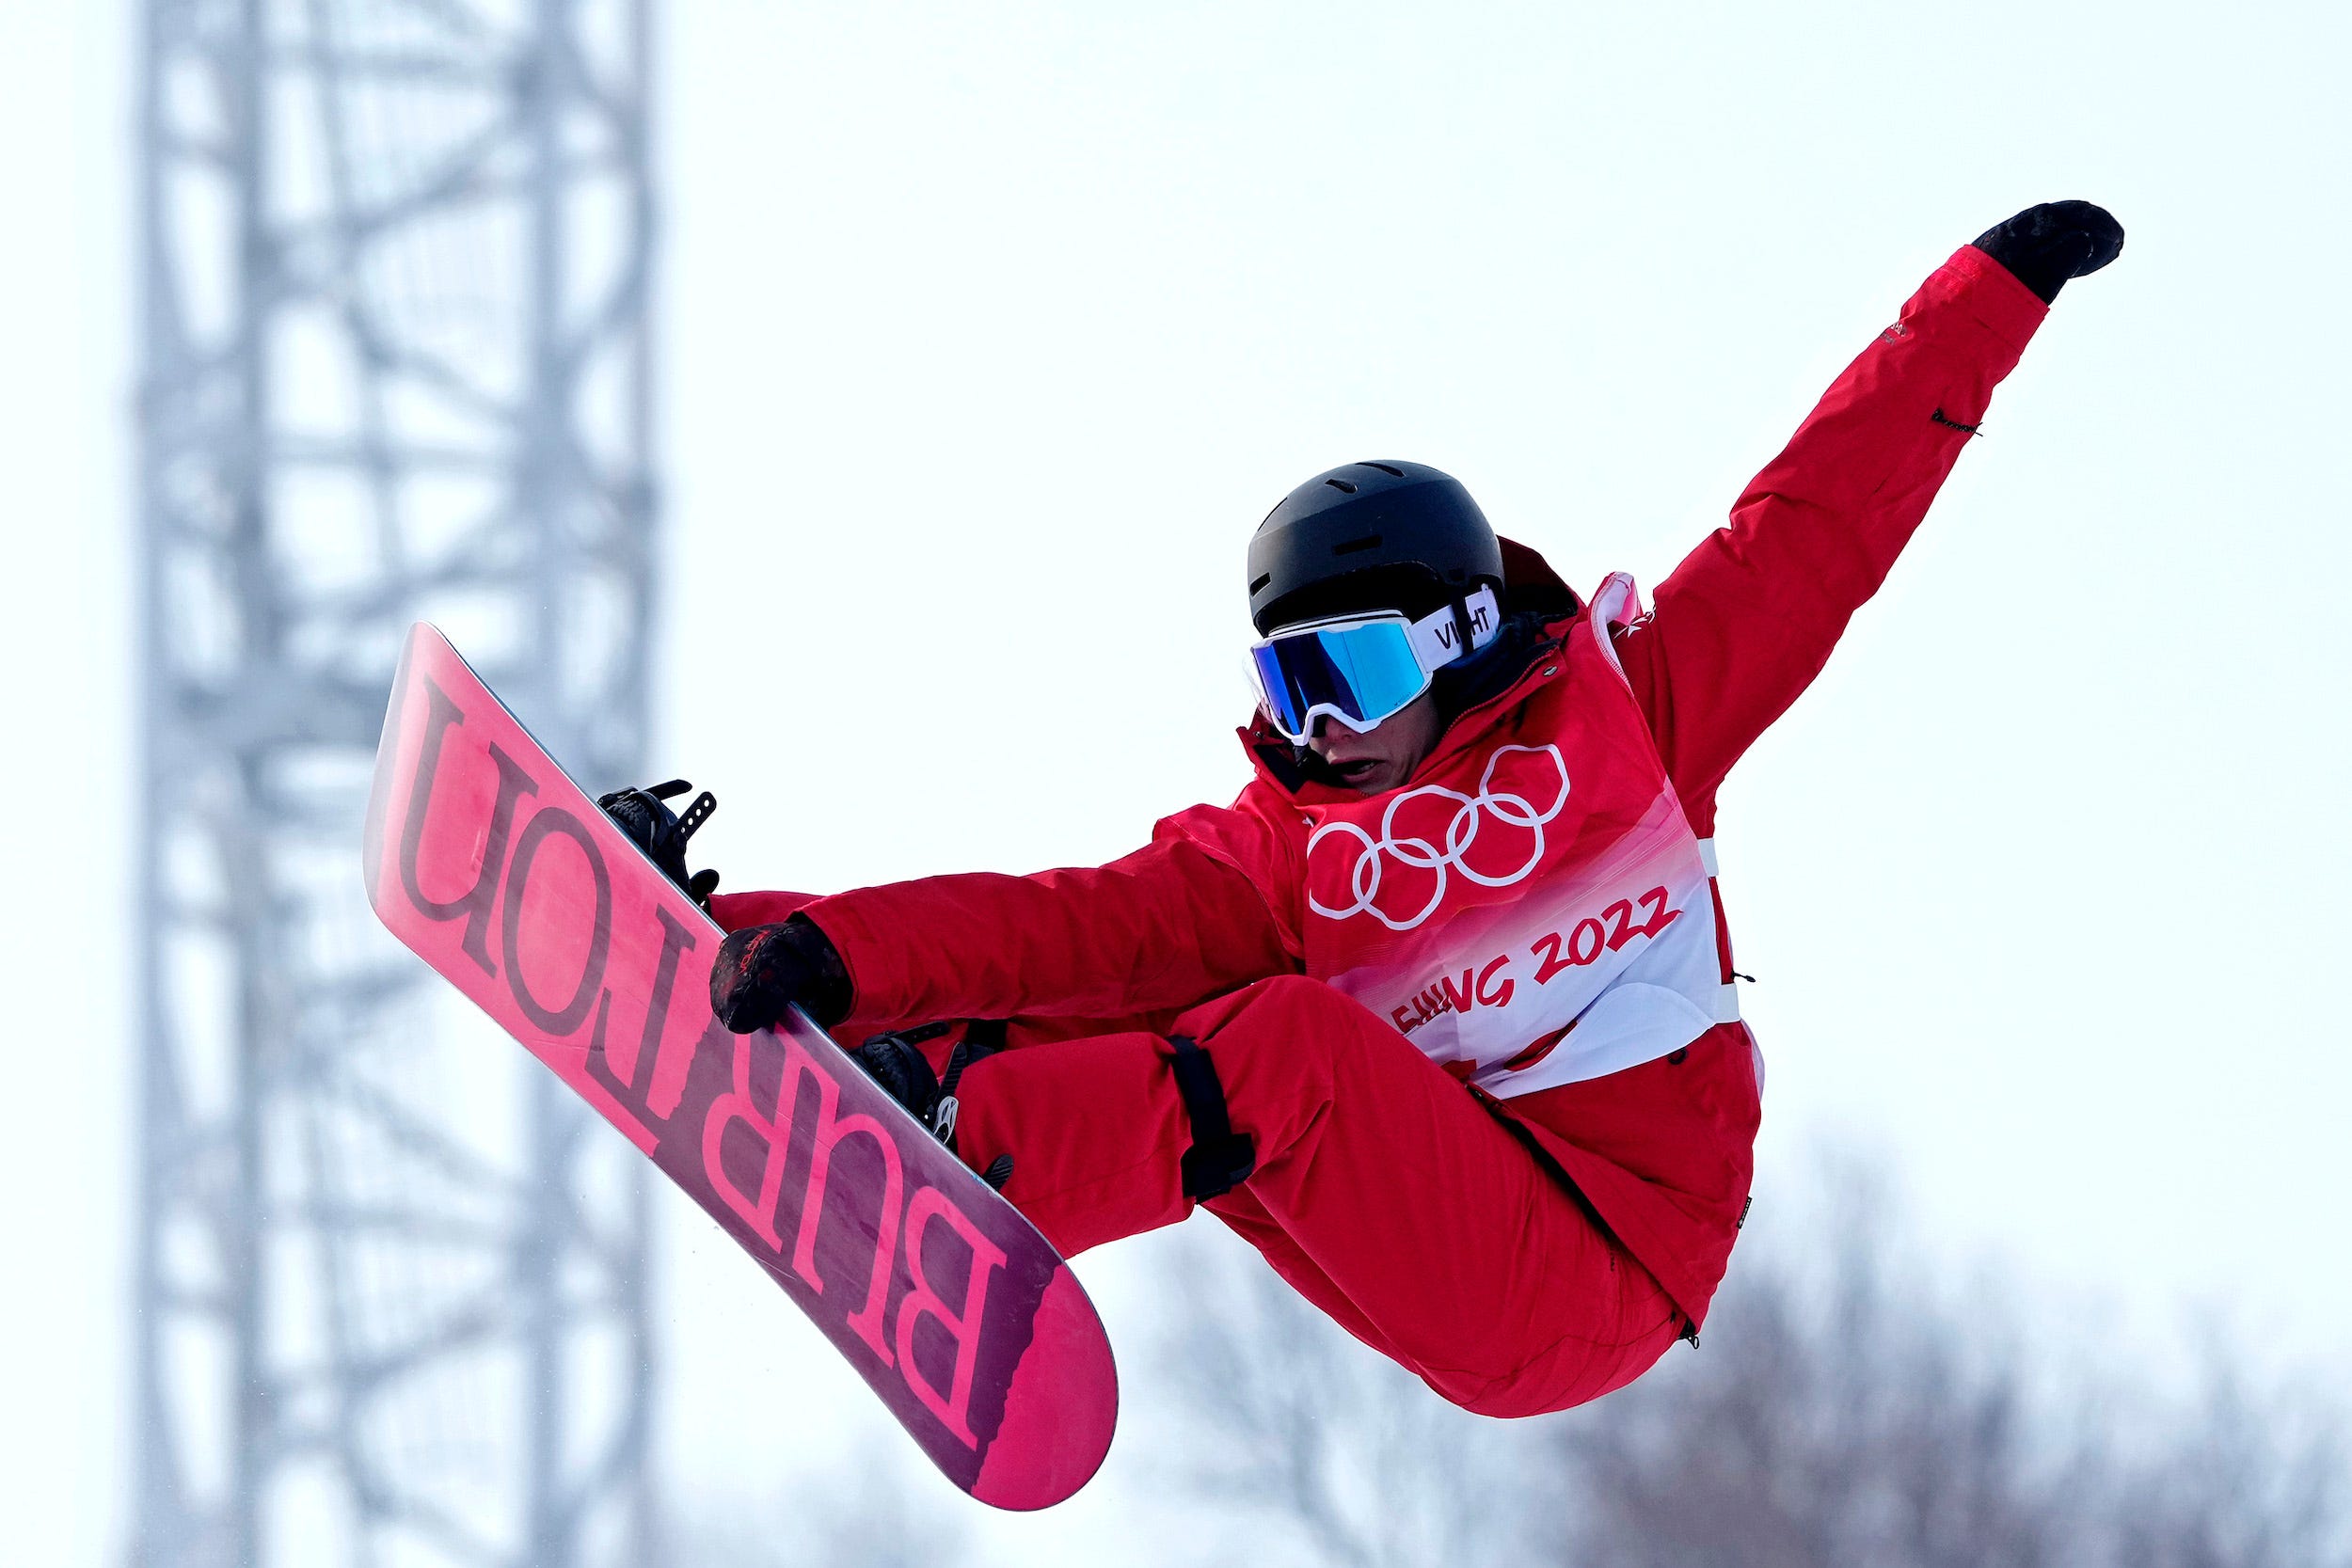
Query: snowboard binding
point(646, 816)
point(896, 1063)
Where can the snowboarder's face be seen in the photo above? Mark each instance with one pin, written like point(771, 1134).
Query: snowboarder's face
point(1385, 758)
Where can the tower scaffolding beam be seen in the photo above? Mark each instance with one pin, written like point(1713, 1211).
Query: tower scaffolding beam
point(393, 263)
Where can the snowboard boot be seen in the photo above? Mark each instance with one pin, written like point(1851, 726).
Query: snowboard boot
point(897, 1064)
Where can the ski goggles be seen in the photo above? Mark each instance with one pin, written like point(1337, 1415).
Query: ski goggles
point(1362, 669)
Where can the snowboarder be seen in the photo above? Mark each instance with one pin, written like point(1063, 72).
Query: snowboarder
point(1440, 1015)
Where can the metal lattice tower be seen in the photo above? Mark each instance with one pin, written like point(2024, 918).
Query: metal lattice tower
point(394, 364)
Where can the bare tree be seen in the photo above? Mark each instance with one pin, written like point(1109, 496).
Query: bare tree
point(1293, 1427)
point(1846, 1410)
point(2257, 1479)
point(1830, 1415)
point(1850, 1405)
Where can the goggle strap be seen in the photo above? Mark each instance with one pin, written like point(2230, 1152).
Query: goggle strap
point(1437, 637)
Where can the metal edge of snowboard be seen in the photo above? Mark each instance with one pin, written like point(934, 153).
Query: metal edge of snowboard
point(1066, 1331)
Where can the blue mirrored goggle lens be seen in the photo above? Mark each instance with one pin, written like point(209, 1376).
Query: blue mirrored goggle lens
point(1366, 672)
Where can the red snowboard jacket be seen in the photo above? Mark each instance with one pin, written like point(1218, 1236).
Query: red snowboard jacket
point(1663, 1152)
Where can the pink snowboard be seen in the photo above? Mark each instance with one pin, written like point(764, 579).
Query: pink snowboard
point(499, 873)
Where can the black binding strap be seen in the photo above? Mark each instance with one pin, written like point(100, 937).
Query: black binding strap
point(1219, 1159)
point(981, 1038)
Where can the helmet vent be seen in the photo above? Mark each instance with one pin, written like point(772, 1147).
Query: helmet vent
point(1389, 470)
point(1370, 541)
point(1257, 584)
point(1341, 484)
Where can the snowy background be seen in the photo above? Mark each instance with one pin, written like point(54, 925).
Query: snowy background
point(989, 333)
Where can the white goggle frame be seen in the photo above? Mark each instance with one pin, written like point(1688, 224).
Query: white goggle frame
point(1435, 639)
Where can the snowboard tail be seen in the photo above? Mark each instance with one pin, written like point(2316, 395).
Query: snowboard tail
point(495, 868)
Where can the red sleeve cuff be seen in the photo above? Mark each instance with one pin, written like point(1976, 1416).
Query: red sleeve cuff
point(877, 978)
point(1992, 295)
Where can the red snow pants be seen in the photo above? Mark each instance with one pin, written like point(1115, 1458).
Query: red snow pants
point(1385, 1192)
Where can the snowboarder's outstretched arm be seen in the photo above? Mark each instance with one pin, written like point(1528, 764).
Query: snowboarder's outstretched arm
point(1748, 619)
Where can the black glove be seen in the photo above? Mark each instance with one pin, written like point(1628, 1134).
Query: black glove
point(2043, 246)
point(762, 970)
point(661, 833)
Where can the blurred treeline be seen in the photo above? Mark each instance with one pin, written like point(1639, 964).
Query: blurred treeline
point(1855, 1400)
point(1851, 1402)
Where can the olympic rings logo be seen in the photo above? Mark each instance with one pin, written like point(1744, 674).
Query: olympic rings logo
point(1470, 811)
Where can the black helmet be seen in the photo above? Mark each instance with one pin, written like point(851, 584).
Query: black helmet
point(1369, 536)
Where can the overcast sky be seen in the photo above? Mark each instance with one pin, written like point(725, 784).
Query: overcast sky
point(991, 331)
